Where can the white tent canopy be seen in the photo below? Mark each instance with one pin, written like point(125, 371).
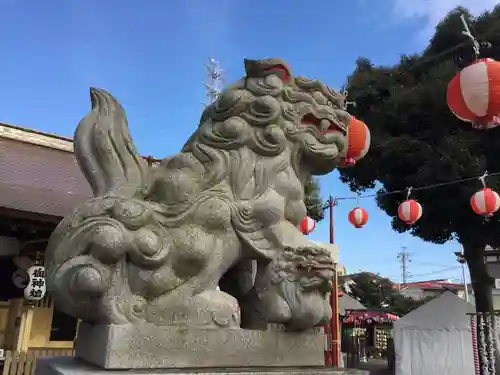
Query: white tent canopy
point(435, 339)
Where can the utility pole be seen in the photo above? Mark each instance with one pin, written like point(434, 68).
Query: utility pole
point(404, 258)
point(213, 82)
point(461, 260)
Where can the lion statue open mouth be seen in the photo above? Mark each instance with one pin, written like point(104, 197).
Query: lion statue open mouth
point(155, 242)
point(272, 113)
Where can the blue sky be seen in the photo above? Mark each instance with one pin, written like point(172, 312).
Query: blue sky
point(150, 55)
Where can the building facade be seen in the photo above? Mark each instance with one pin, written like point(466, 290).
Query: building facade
point(434, 288)
point(492, 260)
point(40, 182)
point(421, 289)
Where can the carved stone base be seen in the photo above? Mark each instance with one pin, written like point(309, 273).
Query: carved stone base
point(73, 366)
point(149, 346)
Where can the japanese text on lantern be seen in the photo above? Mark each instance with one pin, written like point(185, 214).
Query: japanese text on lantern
point(36, 288)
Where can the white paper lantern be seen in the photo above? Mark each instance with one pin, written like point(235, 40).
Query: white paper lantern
point(36, 288)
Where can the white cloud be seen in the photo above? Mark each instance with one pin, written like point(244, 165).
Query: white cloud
point(433, 11)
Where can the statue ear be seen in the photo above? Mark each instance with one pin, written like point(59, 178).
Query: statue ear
point(263, 68)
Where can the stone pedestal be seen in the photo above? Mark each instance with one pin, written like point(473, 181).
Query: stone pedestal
point(74, 366)
point(150, 346)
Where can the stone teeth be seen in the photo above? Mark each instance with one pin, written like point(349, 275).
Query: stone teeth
point(324, 125)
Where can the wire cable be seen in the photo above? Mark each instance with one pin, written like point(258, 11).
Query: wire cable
point(426, 187)
point(430, 264)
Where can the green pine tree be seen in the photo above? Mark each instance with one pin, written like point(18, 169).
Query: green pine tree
point(312, 199)
point(379, 294)
point(417, 141)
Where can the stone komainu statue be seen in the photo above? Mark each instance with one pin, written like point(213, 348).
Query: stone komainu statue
point(155, 242)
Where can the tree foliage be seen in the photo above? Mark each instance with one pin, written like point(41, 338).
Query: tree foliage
point(372, 292)
point(312, 199)
point(377, 293)
point(417, 141)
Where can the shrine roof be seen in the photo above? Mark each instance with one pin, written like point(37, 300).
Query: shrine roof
point(39, 173)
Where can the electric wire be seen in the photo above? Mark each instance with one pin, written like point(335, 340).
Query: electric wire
point(430, 264)
point(443, 54)
point(436, 272)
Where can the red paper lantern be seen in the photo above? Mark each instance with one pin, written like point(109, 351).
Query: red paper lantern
point(358, 142)
point(307, 225)
point(358, 217)
point(485, 202)
point(473, 95)
point(410, 211)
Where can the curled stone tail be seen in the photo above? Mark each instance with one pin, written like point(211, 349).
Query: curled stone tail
point(105, 151)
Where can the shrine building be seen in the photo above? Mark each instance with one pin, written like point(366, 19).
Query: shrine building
point(40, 183)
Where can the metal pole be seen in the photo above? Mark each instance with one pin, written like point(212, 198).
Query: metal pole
point(331, 204)
point(461, 259)
point(327, 327)
point(466, 288)
point(334, 299)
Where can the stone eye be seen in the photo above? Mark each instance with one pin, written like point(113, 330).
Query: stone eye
point(329, 103)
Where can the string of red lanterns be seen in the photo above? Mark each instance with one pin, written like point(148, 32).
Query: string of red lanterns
point(473, 95)
point(485, 202)
point(358, 144)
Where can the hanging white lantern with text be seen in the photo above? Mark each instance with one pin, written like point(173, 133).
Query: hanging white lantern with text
point(36, 288)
